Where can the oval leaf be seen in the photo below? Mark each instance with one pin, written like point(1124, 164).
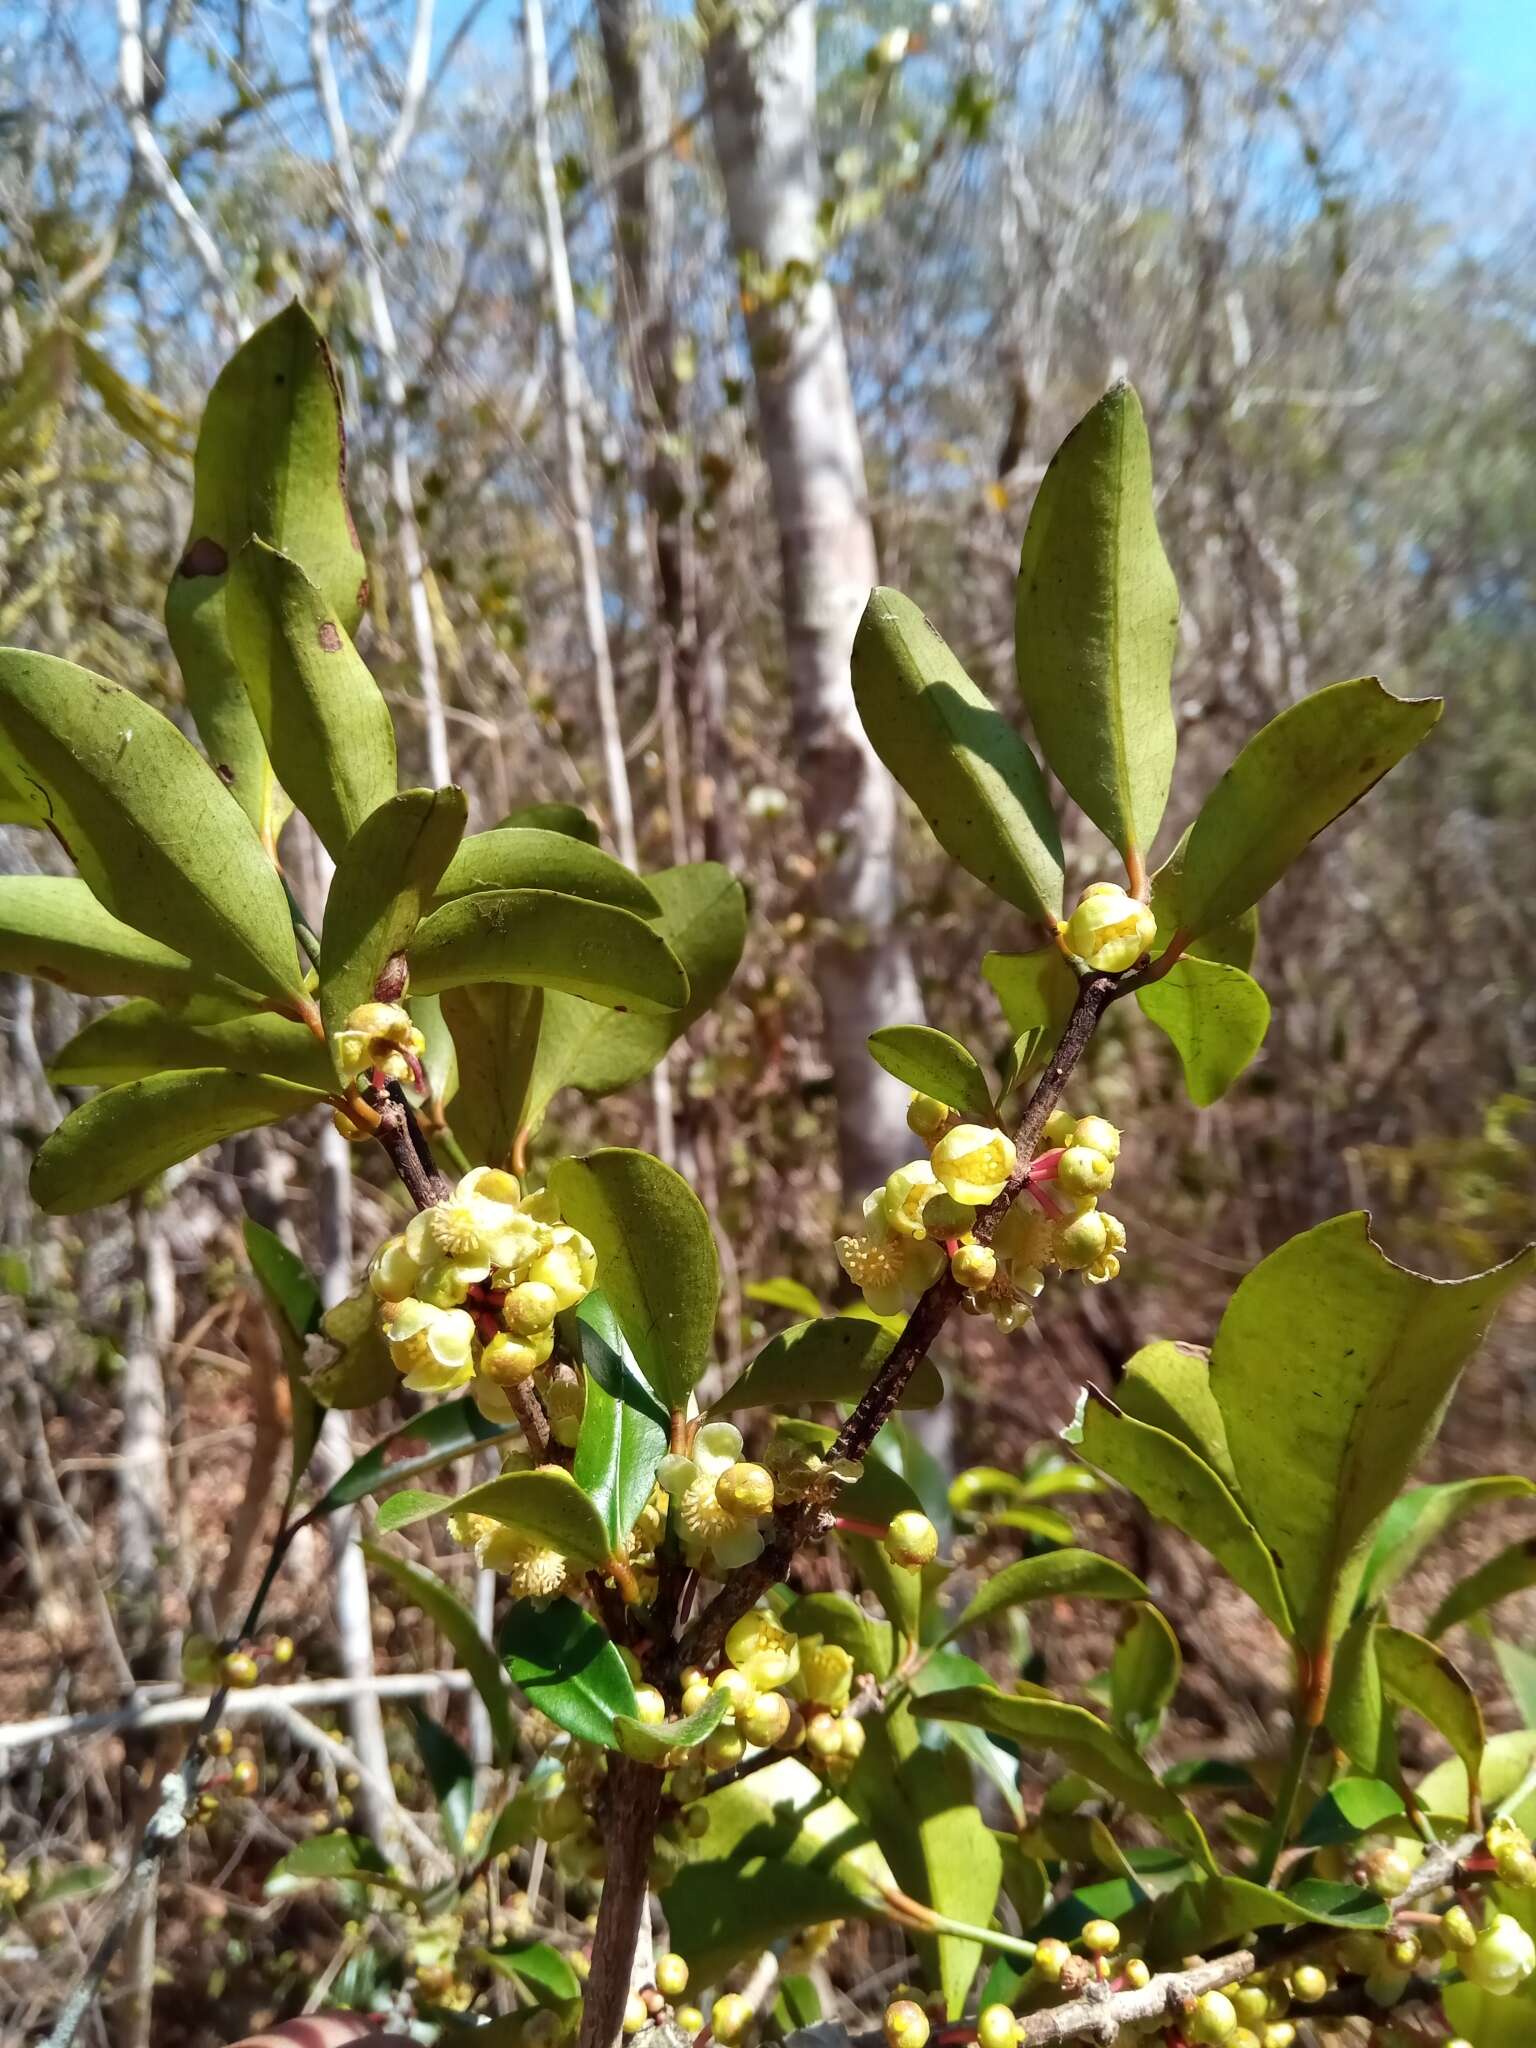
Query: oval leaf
point(53, 928)
point(125, 1136)
point(544, 940)
point(1416, 1674)
point(160, 840)
point(1216, 1017)
point(977, 785)
point(523, 857)
point(457, 1624)
point(623, 1435)
point(1059, 1575)
point(547, 1503)
point(327, 729)
point(429, 1440)
point(656, 1260)
point(568, 1668)
point(831, 1359)
point(1421, 1515)
point(937, 1065)
point(336, 1858)
point(496, 1031)
point(141, 1038)
point(1097, 622)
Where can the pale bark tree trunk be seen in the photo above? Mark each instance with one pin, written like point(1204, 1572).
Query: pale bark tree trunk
point(143, 1473)
point(762, 102)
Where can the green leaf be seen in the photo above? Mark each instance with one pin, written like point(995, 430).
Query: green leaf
point(1510, 1572)
point(570, 819)
point(78, 1881)
point(1169, 1385)
point(1097, 623)
point(1216, 1017)
point(354, 1368)
point(832, 1359)
point(937, 1065)
point(796, 2004)
point(160, 840)
point(838, 1618)
point(293, 1301)
point(124, 1137)
point(1081, 1740)
point(496, 1036)
point(327, 729)
point(980, 1483)
point(1517, 1667)
point(1349, 1809)
point(1143, 1675)
point(976, 783)
point(568, 1668)
point(623, 1435)
point(650, 1742)
point(1357, 1716)
point(456, 1624)
point(898, 1590)
point(1332, 1368)
point(1206, 1912)
point(704, 921)
point(1058, 1575)
point(451, 1774)
point(271, 461)
point(336, 1858)
point(141, 1038)
point(781, 1853)
point(1036, 990)
point(1289, 782)
point(1177, 1485)
point(542, 1969)
point(1233, 944)
point(412, 1504)
point(1424, 1513)
point(442, 1433)
point(783, 1292)
point(546, 1503)
point(656, 1254)
point(538, 938)
point(52, 928)
point(943, 1671)
point(382, 884)
point(1506, 1762)
point(523, 857)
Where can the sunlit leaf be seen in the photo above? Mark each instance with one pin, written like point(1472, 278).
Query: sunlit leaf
point(937, 1065)
point(831, 1359)
point(524, 857)
point(623, 1430)
point(1216, 1018)
point(53, 928)
point(538, 938)
point(1059, 1574)
point(568, 1668)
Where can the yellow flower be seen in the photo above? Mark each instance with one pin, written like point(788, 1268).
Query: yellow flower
point(1110, 929)
point(974, 1163)
point(378, 1037)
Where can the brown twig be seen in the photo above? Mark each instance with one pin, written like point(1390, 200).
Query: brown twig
point(634, 1803)
point(409, 1153)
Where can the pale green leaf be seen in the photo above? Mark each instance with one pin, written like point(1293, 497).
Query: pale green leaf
point(336, 1858)
point(1511, 1571)
point(524, 857)
point(1057, 1575)
point(1416, 1674)
point(650, 1742)
point(1143, 1675)
point(1036, 990)
point(937, 1065)
point(1216, 1017)
point(1169, 1385)
point(53, 928)
point(140, 1038)
point(831, 1359)
point(539, 938)
point(1417, 1518)
point(1233, 944)
point(546, 1503)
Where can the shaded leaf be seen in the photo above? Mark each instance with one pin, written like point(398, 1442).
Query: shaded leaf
point(1348, 1809)
point(1232, 944)
point(1097, 622)
point(570, 819)
point(336, 1858)
point(568, 1668)
point(525, 857)
point(1143, 1675)
point(1424, 1513)
point(451, 1774)
point(976, 783)
point(457, 1625)
point(441, 1434)
point(898, 1590)
point(1511, 1571)
point(1216, 1018)
point(125, 1136)
point(623, 1435)
point(352, 1366)
point(831, 1359)
point(782, 1292)
point(293, 1301)
point(937, 1065)
point(538, 938)
point(1206, 1912)
point(1059, 1574)
point(496, 1034)
point(53, 928)
point(656, 1253)
point(838, 1618)
point(943, 1671)
point(544, 1971)
point(1037, 990)
point(1357, 1715)
point(650, 1742)
point(141, 1038)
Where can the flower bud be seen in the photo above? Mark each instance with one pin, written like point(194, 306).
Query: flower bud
point(731, 2018)
point(561, 1270)
point(243, 1776)
point(1109, 929)
point(508, 1360)
point(766, 1721)
point(1388, 1871)
point(824, 1737)
point(1213, 2020)
point(378, 1035)
point(1080, 1243)
point(1098, 1133)
point(944, 1217)
point(906, 2024)
point(1385, 1986)
point(1504, 1956)
point(1308, 1983)
point(736, 1686)
point(1251, 2003)
point(911, 1540)
point(996, 2027)
point(1060, 1129)
point(906, 1191)
point(636, 2018)
point(974, 1266)
point(826, 1673)
point(671, 1975)
point(1051, 1958)
point(1082, 1171)
point(745, 1490)
point(974, 1163)
point(1278, 2034)
point(1099, 1937)
point(239, 1670)
point(392, 1272)
point(689, 2019)
point(1456, 1926)
point(650, 1707)
point(529, 1308)
point(724, 1748)
point(926, 1118)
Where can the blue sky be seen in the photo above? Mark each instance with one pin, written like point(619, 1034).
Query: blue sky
point(1493, 46)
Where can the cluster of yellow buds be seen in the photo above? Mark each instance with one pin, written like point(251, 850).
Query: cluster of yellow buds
point(469, 1291)
point(1109, 929)
point(379, 1038)
point(925, 1216)
point(719, 1499)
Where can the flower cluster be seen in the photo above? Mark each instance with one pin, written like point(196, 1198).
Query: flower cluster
point(718, 1498)
point(925, 1216)
point(470, 1289)
point(1109, 929)
point(379, 1038)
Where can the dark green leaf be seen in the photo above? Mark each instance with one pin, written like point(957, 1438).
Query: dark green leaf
point(441, 1434)
point(124, 1137)
point(1511, 1571)
point(623, 1434)
point(160, 840)
point(656, 1254)
point(455, 1622)
point(797, 2003)
point(327, 729)
point(651, 1742)
point(451, 1774)
point(976, 783)
point(570, 819)
point(141, 1038)
point(496, 1035)
point(832, 1359)
point(1349, 1809)
point(337, 1858)
point(523, 857)
point(1357, 1714)
point(1059, 1574)
point(568, 1668)
point(1097, 622)
point(293, 1301)
point(1216, 1018)
point(937, 1065)
point(1206, 1912)
point(52, 928)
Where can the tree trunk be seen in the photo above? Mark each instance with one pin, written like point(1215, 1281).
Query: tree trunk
point(762, 103)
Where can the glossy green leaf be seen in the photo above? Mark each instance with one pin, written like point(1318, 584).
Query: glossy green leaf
point(537, 1966)
point(1116, 1898)
point(141, 1037)
point(1232, 944)
point(1038, 1722)
point(52, 928)
point(523, 857)
point(1332, 1368)
point(160, 840)
point(656, 1254)
point(704, 921)
point(781, 1853)
point(937, 1065)
point(382, 885)
point(976, 783)
point(456, 1624)
point(898, 1590)
point(650, 1742)
point(1036, 990)
point(435, 1438)
point(1216, 1018)
point(1349, 1809)
point(1097, 622)
point(1517, 1667)
point(1143, 1675)
point(451, 1774)
point(1177, 1485)
point(336, 1858)
point(1290, 781)
point(538, 938)
point(1511, 1571)
point(1207, 1912)
point(1424, 1513)
point(271, 461)
point(568, 1668)
point(292, 1296)
point(546, 1503)
point(1058, 1575)
point(496, 1031)
point(832, 1359)
point(124, 1137)
point(326, 727)
point(943, 1671)
point(623, 1435)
